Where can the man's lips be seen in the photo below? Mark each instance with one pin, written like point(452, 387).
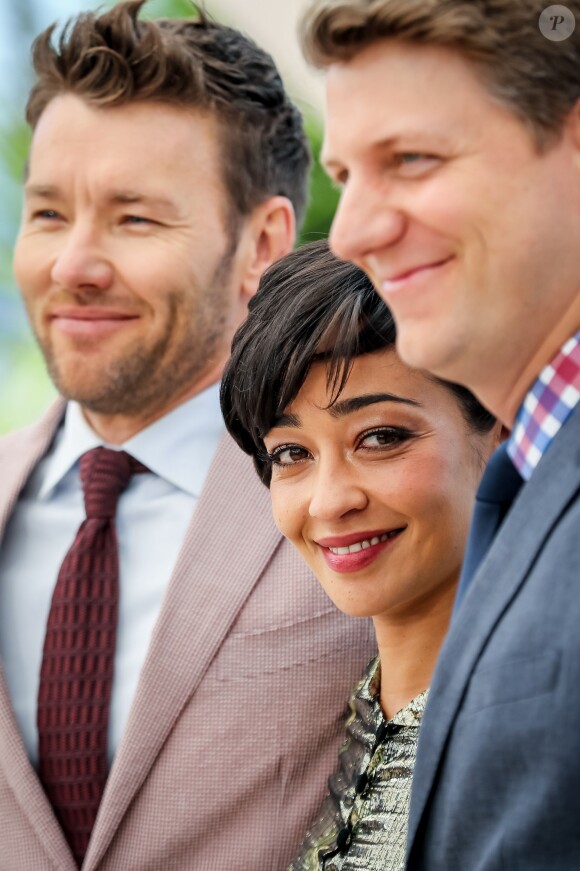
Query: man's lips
point(89, 320)
point(90, 313)
point(396, 282)
point(350, 553)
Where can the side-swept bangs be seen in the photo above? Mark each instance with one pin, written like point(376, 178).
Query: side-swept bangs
point(310, 307)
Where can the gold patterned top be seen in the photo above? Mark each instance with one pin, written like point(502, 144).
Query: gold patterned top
point(363, 821)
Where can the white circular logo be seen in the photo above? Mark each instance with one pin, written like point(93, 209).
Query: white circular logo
point(557, 23)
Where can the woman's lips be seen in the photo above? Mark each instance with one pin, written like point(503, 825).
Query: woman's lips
point(344, 556)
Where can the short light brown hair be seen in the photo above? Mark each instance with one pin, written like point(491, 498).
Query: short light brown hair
point(116, 58)
point(537, 79)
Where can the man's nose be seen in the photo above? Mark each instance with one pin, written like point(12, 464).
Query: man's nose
point(366, 222)
point(81, 262)
point(336, 491)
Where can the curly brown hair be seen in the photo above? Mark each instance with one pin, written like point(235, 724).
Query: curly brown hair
point(537, 79)
point(115, 58)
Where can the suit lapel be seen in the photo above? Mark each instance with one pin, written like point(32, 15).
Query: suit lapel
point(537, 509)
point(232, 534)
point(20, 453)
point(28, 448)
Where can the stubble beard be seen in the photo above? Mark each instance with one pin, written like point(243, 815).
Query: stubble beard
point(143, 379)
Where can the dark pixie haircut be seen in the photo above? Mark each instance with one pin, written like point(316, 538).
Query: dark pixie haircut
point(115, 58)
point(310, 307)
point(536, 78)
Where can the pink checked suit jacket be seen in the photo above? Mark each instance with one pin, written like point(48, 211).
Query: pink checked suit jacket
point(238, 712)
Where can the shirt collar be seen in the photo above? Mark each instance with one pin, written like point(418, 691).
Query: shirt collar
point(178, 447)
point(546, 408)
point(370, 691)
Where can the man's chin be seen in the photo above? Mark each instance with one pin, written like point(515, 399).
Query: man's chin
point(92, 394)
point(426, 349)
point(95, 402)
point(415, 349)
point(98, 385)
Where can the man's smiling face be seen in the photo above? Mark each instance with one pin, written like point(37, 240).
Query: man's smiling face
point(455, 213)
point(124, 258)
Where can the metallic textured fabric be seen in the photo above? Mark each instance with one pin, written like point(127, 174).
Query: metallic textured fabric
point(363, 821)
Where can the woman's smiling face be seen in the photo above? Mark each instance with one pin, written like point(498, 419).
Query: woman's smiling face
point(376, 492)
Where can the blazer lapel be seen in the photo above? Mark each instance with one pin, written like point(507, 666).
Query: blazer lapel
point(232, 534)
point(537, 509)
point(29, 446)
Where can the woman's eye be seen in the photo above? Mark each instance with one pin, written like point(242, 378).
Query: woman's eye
point(386, 437)
point(288, 455)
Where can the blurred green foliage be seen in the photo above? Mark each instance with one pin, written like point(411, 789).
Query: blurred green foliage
point(323, 196)
point(25, 388)
point(14, 140)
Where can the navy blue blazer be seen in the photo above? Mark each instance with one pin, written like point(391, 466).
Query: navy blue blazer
point(497, 779)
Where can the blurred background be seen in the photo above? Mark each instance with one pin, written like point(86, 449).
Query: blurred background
point(24, 386)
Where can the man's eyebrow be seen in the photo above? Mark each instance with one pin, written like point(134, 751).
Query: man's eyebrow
point(419, 138)
point(343, 407)
point(411, 139)
point(116, 197)
point(45, 191)
point(130, 197)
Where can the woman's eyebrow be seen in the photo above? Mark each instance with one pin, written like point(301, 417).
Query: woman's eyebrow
point(287, 420)
point(347, 406)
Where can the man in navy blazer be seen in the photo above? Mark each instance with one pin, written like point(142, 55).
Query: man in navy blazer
point(453, 129)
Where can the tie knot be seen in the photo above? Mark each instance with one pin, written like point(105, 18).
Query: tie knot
point(104, 475)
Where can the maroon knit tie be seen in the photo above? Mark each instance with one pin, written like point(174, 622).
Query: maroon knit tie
point(76, 675)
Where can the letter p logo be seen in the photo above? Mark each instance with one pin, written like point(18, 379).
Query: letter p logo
point(557, 23)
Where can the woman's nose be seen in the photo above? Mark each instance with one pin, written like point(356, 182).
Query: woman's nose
point(336, 491)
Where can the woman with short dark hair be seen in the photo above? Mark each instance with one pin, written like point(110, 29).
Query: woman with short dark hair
point(372, 468)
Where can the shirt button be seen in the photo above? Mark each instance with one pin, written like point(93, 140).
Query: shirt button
point(385, 730)
point(361, 783)
point(343, 839)
point(382, 733)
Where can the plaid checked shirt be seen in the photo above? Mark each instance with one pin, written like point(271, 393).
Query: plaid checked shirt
point(546, 408)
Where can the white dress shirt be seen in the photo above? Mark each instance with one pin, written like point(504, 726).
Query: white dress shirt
point(152, 517)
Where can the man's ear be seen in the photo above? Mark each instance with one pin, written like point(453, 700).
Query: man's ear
point(272, 229)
